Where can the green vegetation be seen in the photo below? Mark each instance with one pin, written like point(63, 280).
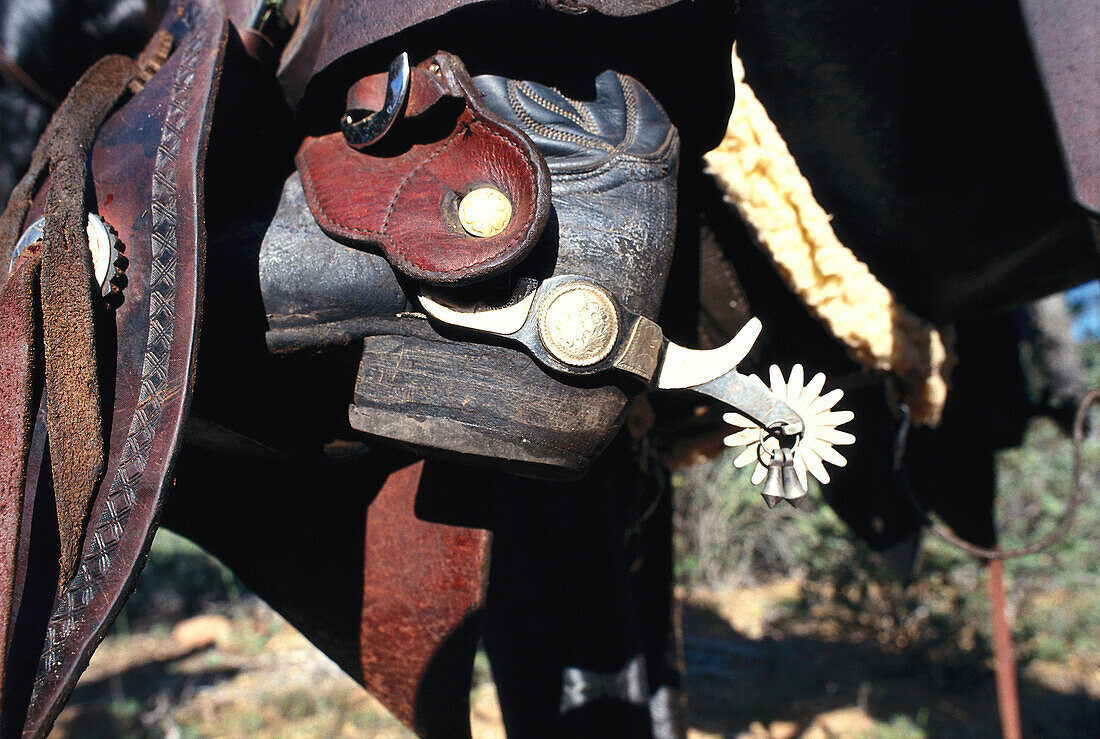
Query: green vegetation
point(179, 580)
point(726, 537)
point(911, 657)
point(932, 636)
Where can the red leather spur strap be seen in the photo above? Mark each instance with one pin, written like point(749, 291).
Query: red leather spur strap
point(402, 195)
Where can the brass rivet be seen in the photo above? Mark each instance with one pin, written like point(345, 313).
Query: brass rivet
point(484, 212)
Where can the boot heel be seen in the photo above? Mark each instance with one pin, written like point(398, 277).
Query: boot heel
point(482, 404)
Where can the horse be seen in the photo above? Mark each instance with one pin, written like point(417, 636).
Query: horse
point(331, 520)
point(46, 46)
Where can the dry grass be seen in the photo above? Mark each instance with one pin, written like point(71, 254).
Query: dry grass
point(791, 628)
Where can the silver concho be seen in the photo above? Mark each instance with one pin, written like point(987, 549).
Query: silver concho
point(578, 324)
point(101, 242)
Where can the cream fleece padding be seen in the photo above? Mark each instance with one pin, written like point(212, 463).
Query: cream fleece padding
point(762, 180)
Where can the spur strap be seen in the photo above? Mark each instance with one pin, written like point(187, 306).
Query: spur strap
point(418, 153)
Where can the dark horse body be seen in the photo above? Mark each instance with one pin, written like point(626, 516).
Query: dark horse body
point(922, 129)
point(46, 45)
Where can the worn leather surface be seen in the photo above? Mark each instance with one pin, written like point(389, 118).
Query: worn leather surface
point(70, 300)
point(421, 582)
point(613, 161)
point(401, 195)
point(145, 167)
point(308, 279)
point(19, 356)
point(52, 298)
point(330, 30)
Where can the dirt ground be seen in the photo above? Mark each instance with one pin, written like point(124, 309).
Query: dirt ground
point(755, 668)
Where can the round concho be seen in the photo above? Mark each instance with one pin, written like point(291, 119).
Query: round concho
point(102, 242)
point(578, 324)
point(485, 212)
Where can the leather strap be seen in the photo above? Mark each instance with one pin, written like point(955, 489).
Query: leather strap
point(73, 412)
point(147, 166)
point(19, 357)
point(401, 195)
point(423, 585)
point(61, 270)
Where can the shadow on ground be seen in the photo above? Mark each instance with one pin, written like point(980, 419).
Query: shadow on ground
point(734, 682)
point(124, 703)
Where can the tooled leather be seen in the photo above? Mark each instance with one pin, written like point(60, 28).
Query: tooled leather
point(406, 205)
point(53, 277)
point(148, 159)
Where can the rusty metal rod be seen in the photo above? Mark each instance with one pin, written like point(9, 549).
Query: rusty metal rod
point(1008, 699)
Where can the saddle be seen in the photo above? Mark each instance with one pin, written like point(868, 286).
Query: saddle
point(475, 261)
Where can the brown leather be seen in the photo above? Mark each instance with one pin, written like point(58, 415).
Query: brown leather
point(330, 29)
point(66, 284)
point(72, 388)
point(51, 287)
point(406, 203)
point(18, 361)
point(145, 168)
point(421, 582)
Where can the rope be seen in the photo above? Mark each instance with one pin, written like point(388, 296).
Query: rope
point(1065, 521)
